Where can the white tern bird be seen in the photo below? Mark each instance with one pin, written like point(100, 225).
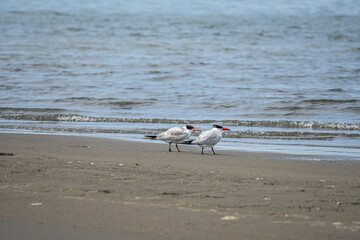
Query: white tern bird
point(174, 135)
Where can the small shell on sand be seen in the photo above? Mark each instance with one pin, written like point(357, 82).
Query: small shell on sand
point(36, 204)
point(228, 218)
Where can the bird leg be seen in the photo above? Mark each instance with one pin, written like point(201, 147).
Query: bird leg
point(177, 147)
point(213, 150)
point(202, 150)
point(169, 147)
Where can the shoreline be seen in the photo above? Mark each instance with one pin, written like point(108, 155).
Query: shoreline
point(141, 191)
point(224, 145)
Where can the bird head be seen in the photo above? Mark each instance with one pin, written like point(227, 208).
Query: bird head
point(221, 127)
point(190, 127)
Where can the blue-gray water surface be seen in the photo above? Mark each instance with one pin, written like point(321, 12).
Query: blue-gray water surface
point(283, 75)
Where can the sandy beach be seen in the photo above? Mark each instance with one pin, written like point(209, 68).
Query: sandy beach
point(68, 187)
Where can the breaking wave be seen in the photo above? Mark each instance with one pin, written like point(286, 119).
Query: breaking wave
point(247, 123)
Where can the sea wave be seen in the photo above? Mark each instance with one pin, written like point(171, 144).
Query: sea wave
point(317, 125)
point(266, 135)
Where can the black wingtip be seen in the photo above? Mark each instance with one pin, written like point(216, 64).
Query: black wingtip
point(187, 141)
point(150, 136)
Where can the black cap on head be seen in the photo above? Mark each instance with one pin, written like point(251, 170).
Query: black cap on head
point(217, 126)
point(189, 127)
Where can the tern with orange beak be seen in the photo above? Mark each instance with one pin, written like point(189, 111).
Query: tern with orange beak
point(209, 138)
point(174, 135)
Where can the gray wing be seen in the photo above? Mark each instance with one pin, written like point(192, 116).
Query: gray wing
point(174, 134)
point(206, 138)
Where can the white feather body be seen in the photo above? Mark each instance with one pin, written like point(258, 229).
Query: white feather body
point(208, 138)
point(174, 135)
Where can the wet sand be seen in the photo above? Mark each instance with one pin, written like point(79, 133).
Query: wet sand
point(68, 187)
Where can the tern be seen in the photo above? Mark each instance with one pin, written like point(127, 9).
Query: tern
point(209, 138)
point(174, 135)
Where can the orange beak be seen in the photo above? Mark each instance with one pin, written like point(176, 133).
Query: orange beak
point(196, 129)
point(226, 129)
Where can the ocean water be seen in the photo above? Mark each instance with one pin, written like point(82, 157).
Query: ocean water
point(283, 75)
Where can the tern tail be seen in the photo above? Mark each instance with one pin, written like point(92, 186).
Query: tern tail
point(150, 136)
point(187, 141)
